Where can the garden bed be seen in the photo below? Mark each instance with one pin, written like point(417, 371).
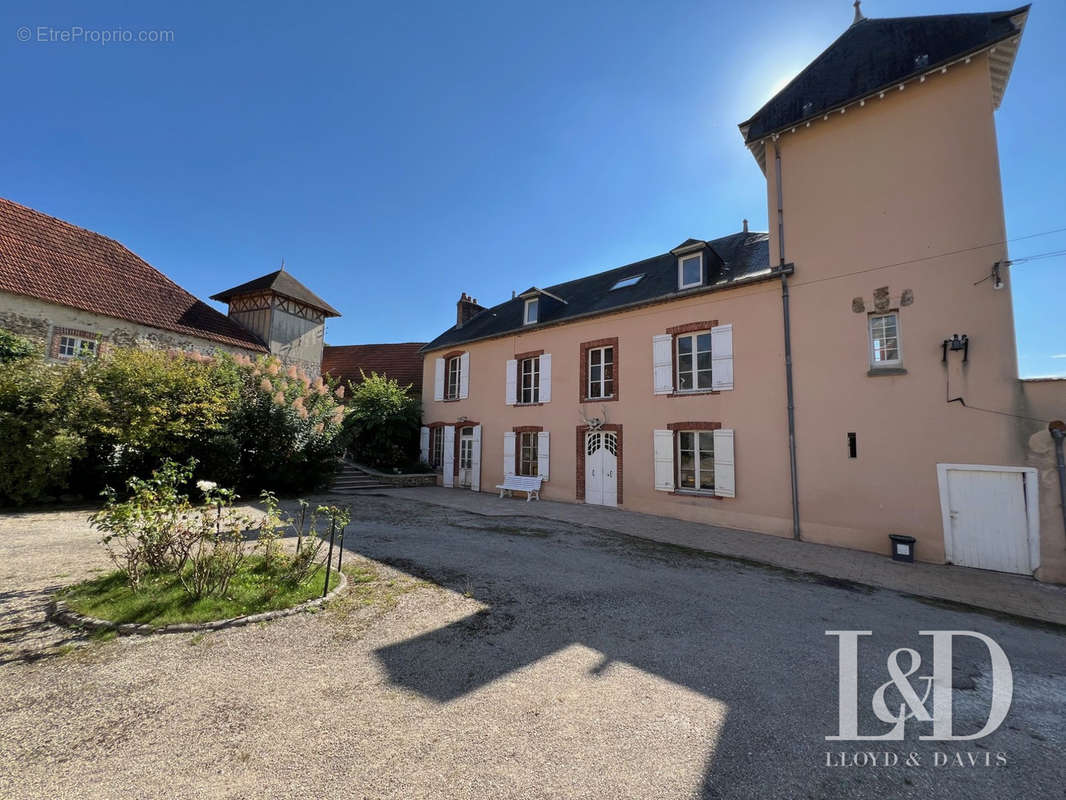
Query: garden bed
point(162, 605)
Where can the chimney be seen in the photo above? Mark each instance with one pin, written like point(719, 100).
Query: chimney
point(465, 309)
point(745, 226)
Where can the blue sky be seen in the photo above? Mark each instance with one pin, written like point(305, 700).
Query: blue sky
point(395, 154)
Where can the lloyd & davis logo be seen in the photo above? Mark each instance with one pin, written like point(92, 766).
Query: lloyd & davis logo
point(924, 699)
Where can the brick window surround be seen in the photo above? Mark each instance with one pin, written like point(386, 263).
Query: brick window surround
point(677, 427)
point(678, 330)
point(520, 357)
point(518, 431)
point(58, 333)
point(583, 385)
point(447, 374)
point(580, 438)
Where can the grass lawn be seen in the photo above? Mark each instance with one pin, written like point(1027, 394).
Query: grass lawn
point(162, 600)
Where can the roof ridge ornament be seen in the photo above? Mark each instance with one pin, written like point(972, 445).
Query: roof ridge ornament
point(858, 13)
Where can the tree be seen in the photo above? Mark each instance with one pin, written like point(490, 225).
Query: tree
point(383, 422)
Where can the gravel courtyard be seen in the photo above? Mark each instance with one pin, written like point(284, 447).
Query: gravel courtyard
point(506, 657)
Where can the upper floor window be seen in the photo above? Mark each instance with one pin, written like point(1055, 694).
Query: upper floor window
point(532, 307)
point(694, 361)
point(689, 270)
point(529, 370)
point(76, 347)
point(600, 373)
point(454, 375)
point(884, 340)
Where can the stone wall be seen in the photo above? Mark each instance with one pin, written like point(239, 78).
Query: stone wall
point(38, 320)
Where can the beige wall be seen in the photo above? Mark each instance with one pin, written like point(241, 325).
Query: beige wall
point(35, 319)
point(909, 177)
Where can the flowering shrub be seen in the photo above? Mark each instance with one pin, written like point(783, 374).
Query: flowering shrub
point(78, 427)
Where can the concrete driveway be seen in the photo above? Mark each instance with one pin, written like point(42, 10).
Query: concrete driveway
point(519, 658)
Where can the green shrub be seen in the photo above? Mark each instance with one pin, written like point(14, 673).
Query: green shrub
point(14, 347)
point(383, 422)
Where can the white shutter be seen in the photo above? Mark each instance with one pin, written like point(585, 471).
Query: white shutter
point(438, 381)
point(725, 478)
point(546, 378)
point(542, 454)
point(722, 358)
point(449, 455)
point(508, 453)
point(475, 461)
point(512, 382)
point(664, 461)
point(423, 445)
point(662, 353)
point(464, 376)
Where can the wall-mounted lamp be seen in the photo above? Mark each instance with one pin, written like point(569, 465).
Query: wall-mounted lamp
point(956, 342)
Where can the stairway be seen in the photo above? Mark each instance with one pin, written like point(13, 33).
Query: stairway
point(353, 479)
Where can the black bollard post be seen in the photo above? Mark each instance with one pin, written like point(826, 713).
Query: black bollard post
point(329, 558)
point(340, 551)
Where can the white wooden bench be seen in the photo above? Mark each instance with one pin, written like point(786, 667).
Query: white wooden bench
point(521, 483)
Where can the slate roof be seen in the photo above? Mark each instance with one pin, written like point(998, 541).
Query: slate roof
point(874, 54)
point(401, 362)
point(744, 255)
point(51, 260)
point(282, 283)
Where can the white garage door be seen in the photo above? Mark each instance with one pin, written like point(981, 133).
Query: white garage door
point(990, 517)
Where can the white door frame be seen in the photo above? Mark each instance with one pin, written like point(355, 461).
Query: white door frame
point(1032, 507)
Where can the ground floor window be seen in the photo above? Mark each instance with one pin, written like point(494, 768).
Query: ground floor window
point(527, 453)
point(436, 446)
point(76, 347)
point(695, 462)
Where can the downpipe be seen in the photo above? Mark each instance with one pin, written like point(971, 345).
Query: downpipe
point(788, 345)
point(1058, 433)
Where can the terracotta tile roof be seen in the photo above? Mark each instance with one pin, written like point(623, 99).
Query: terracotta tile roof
point(402, 362)
point(52, 260)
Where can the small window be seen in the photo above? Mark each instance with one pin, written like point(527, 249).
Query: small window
point(690, 271)
point(695, 460)
point(601, 373)
point(451, 390)
point(532, 306)
point(530, 373)
point(76, 347)
point(632, 280)
point(884, 340)
point(694, 361)
point(436, 446)
point(527, 453)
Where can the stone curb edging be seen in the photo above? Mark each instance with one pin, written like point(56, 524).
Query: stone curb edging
point(61, 614)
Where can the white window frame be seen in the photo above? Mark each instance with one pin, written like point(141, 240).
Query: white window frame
point(80, 347)
point(534, 304)
point(695, 363)
point(681, 270)
point(529, 445)
point(602, 382)
point(698, 489)
point(534, 381)
point(451, 384)
point(884, 363)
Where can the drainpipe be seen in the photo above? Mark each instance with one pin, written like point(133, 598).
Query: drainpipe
point(788, 346)
point(1058, 433)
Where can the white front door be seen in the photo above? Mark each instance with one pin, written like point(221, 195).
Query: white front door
point(601, 468)
point(466, 457)
point(990, 517)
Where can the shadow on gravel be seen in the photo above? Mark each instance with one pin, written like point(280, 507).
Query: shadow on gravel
point(26, 635)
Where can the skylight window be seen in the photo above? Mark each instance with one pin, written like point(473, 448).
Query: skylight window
point(630, 281)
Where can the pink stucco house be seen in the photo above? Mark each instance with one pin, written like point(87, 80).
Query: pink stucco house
point(848, 375)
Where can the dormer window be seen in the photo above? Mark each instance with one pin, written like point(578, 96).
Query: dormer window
point(530, 315)
point(689, 270)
